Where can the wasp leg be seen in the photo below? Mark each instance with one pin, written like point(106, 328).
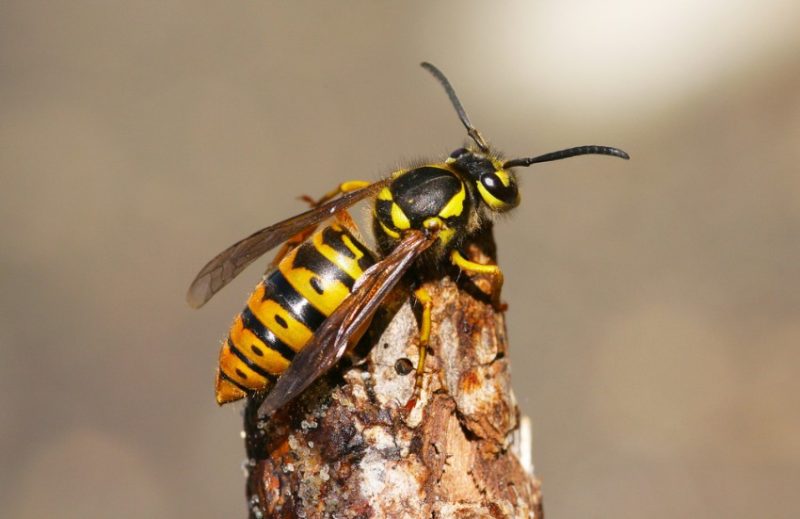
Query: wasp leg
point(343, 218)
point(344, 187)
point(477, 268)
point(424, 297)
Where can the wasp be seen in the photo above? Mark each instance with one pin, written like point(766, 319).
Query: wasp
point(326, 286)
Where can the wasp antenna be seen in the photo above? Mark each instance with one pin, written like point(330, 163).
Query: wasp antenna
point(473, 132)
point(565, 154)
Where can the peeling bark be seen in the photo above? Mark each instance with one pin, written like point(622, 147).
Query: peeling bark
point(346, 448)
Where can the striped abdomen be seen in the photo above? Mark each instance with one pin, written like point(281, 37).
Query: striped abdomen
point(286, 309)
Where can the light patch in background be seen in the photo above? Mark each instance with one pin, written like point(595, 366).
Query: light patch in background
point(626, 58)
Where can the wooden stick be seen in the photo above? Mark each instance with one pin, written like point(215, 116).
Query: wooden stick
point(345, 448)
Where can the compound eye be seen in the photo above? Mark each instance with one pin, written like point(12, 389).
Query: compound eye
point(498, 190)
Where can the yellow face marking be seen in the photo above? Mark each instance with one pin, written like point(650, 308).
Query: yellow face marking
point(270, 360)
point(237, 370)
point(399, 218)
point(304, 281)
point(489, 198)
point(344, 262)
point(455, 206)
point(279, 321)
point(496, 163)
point(385, 194)
point(503, 176)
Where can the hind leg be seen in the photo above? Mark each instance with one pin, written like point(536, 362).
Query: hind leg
point(424, 298)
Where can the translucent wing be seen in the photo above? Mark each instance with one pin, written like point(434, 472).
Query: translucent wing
point(346, 324)
point(229, 263)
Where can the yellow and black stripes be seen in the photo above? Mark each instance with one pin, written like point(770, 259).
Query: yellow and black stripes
point(279, 290)
point(270, 344)
point(261, 374)
point(286, 308)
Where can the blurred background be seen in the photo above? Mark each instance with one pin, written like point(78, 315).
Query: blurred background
point(654, 305)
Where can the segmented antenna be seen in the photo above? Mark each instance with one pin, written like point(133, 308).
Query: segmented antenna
point(473, 132)
point(565, 154)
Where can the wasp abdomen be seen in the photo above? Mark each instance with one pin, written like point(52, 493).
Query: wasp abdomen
point(285, 310)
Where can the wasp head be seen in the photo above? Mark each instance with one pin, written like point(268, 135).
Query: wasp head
point(495, 185)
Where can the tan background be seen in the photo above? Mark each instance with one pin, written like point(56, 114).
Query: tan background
point(654, 305)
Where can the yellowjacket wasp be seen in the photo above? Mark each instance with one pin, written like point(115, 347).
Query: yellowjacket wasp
point(326, 286)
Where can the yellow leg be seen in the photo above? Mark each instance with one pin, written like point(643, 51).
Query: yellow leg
point(424, 298)
point(476, 268)
point(344, 187)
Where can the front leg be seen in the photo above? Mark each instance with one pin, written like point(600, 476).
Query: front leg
point(471, 267)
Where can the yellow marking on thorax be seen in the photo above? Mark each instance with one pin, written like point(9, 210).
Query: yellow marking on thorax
point(385, 194)
point(270, 360)
point(503, 176)
point(388, 231)
point(399, 218)
point(333, 290)
point(489, 198)
point(295, 334)
point(346, 263)
point(455, 206)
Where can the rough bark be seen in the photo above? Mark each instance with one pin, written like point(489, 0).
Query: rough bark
point(346, 448)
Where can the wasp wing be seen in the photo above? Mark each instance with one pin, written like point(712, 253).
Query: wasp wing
point(346, 324)
point(229, 263)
